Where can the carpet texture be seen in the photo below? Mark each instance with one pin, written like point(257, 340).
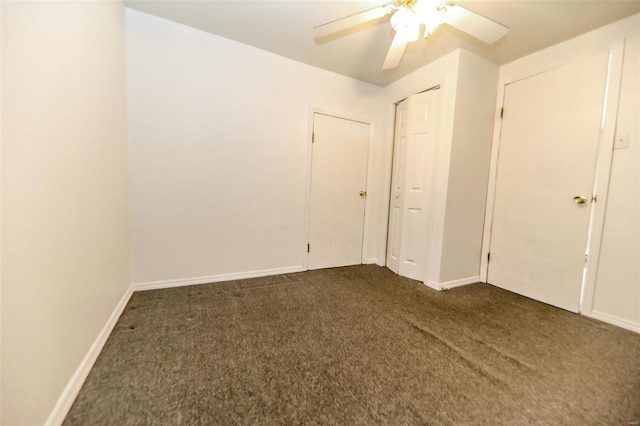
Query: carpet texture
point(357, 345)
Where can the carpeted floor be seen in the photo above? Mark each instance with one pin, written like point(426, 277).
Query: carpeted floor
point(354, 346)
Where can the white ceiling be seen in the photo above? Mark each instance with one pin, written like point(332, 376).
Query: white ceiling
point(285, 28)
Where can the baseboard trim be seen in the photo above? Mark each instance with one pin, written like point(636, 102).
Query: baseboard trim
point(614, 320)
point(70, 392)
point(156, 285)
point(373, 261)
point(452, 284)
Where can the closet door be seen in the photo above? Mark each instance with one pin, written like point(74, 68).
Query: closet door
point(397, 188)
point(414, 185)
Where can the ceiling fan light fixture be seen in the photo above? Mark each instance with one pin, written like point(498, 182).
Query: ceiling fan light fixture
point(409, 16)
point(406, 23)
point(429, 14)
point(433, 22)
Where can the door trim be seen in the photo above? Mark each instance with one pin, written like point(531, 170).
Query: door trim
point(307, 199)
point(603, 166)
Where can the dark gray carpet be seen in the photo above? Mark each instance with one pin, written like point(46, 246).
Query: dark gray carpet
point(357, 345)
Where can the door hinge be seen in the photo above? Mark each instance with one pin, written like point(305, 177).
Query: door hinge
point(501, 112)
point(308, 247)
point(488, 257)
point(313, 137)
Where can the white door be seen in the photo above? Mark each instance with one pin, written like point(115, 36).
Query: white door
point(547, 157)
point(397, 188)
point(413, 185)
point(338, 184)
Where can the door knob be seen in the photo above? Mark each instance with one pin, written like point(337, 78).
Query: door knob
point(363, 194)
point(579, 199)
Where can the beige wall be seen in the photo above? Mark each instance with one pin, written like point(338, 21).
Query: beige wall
point(617, 293)
point(64, 194)
point(218, 137)
point(469, 169)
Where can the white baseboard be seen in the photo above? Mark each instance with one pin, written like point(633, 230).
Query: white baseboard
point(155, 285)
point(612, 319)
point(374, 261)
point(70, 392)
point(452, 284)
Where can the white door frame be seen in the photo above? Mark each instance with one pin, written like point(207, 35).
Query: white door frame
point(603, 161)
point(307, 199)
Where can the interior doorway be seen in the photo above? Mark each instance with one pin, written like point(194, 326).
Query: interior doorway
point(339, 153)
point(413, 184)
point(545, 189)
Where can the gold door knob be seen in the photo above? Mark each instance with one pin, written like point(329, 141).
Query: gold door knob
point(363, 194)
point(579, 199)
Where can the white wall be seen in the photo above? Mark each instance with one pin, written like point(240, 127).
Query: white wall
point(469, 169)
point(218, 147)
point(616, 297)
point(617, 293)
point(64, 194)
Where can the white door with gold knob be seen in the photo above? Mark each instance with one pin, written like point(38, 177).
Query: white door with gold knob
point(337, 200)
point(545, 178)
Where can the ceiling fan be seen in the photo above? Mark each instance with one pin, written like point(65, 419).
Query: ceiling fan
point(410, 18)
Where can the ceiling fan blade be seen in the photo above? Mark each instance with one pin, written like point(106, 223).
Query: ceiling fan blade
point(396, 50)
point(473, 24)
point(352, 20)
